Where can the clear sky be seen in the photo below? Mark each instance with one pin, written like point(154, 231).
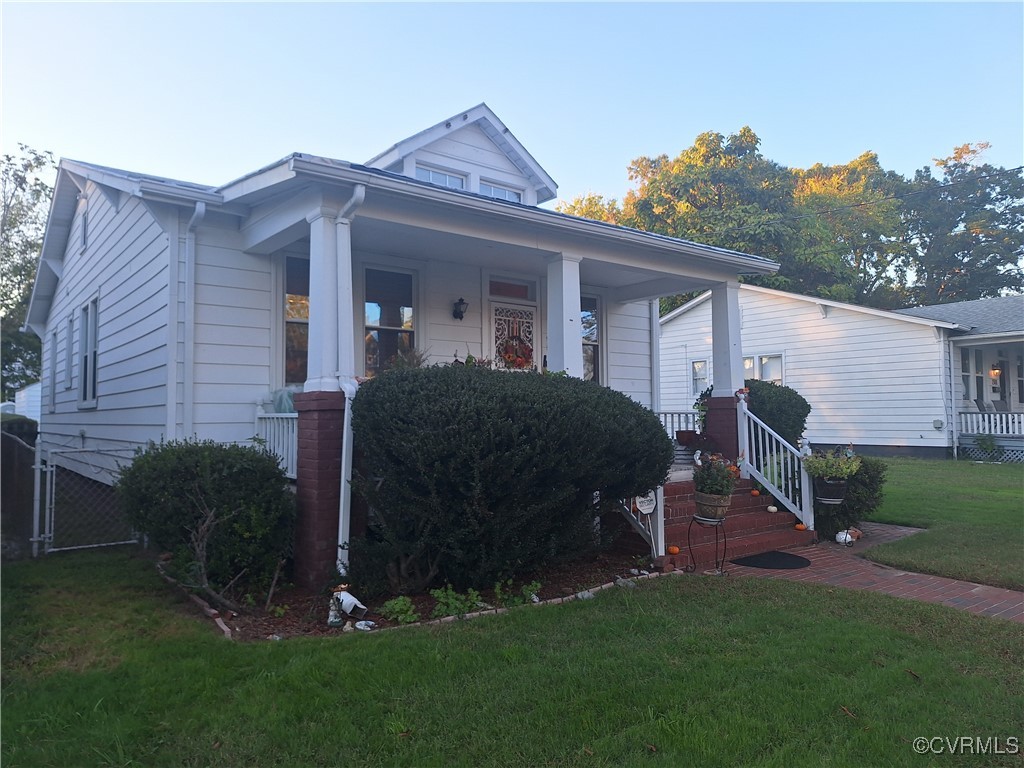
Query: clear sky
point(208, 92)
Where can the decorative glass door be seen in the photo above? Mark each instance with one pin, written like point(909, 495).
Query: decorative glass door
point(514, 340)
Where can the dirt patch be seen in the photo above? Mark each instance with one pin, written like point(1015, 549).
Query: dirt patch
point(298, 613)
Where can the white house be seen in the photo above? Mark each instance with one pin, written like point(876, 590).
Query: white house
point(923, 381)
point(169, 309)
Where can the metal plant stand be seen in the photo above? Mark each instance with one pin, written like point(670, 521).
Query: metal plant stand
point(718, 523)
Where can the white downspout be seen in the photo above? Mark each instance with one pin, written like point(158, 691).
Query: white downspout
point(188, 403)
point(348, 385)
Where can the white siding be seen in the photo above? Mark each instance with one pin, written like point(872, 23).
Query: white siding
point(125, 265)
point(870, 380)
point(628, 349)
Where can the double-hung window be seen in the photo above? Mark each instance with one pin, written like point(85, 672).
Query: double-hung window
point(296, 320)
point(590, 327)
point(88, 354)
point(389, 329)
point(699, 376)
point(763, 368)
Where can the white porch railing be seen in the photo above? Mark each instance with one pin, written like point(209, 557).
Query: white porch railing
point(280, 433)
point(673, 421)
point(775, 464)
point(998, 424)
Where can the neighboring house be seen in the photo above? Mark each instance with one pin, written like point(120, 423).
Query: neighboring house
point(924, 381)
point(27, 401)
point(169, 310)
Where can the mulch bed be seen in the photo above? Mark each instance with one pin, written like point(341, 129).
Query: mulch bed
point(297, 613)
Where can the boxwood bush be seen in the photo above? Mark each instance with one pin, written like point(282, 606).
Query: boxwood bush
point(782, 408)
point(475, 475)
point(169, 489)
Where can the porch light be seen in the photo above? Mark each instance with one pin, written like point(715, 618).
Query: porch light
point(996, 370)
point(459, 308)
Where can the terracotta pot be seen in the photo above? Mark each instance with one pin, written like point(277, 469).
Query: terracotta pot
point(711, 505)
point(686, 437)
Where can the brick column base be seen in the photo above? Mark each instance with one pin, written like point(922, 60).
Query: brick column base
point(721, 425)
point(321, 427)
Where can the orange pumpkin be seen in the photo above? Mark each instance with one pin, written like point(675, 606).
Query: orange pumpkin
point(673, 550)
point(755, 492)
point(800, 527)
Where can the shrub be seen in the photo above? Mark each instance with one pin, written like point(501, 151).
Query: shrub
point(225, 510)
point(477, 475)
point(781, 408)
point(864, 491)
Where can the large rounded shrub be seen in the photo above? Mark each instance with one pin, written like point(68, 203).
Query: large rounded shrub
point(474, 475)
point(782, 408)
point(237, 495)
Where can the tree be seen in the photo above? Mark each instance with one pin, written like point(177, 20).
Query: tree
point(25, 198)
point(964, 232)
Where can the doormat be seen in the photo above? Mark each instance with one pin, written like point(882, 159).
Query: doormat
point(774, 560)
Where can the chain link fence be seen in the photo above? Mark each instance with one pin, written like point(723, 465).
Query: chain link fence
point(81, 508)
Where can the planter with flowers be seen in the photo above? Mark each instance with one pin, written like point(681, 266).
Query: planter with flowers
point(714, 479)
point(830, 471)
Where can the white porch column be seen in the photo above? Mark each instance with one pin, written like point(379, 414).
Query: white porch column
point(726, 347)
point(565, 336)
point(322, 371)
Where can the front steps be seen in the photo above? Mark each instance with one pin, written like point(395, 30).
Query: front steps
point(749, 527)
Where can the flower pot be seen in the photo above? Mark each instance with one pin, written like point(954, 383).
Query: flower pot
point(829, 492)
point(686, 437)
point(711, 505)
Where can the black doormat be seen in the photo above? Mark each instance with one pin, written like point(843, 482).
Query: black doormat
point(774, 559)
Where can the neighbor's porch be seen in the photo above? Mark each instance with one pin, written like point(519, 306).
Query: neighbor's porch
point(990, 391)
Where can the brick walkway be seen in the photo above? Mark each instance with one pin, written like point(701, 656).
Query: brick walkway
point(841, 566)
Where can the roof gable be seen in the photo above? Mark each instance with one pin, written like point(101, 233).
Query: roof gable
point(471, 123)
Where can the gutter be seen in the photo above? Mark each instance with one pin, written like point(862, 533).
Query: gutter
point(346, 379)
point(188, 404)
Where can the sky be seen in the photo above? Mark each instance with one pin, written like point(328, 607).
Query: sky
point(208, 92)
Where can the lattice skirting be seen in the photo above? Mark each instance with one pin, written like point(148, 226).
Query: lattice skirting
point(1009, 455)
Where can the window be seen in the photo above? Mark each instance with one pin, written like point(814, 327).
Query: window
point(590, 326)
point(965, 374)
point(979, 376)
point(500, 193)
point(52, 400)
point(700, 377)
point(763, 368)
point(388, 318)
point(441, 178)
point(296, 320)
point(88, 353)
point(85, 229)
point(68, 357)
point(510, 288)
point(1020, 379)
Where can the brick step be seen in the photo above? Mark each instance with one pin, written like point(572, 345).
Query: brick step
point(736, 524)
point(704, 553)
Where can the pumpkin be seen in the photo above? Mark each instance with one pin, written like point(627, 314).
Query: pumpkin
point(800, 527)
point(755, 492)
point(673, 550)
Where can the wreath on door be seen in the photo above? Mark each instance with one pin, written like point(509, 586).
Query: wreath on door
point(517, 353)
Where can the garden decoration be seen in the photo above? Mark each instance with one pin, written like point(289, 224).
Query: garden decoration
point(714, 479)
point(344, 605)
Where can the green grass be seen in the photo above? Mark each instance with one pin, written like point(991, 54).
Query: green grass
point(974, 514)
point(104, 665)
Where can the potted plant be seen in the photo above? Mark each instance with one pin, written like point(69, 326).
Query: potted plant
point(714, 478)
point(830, 471)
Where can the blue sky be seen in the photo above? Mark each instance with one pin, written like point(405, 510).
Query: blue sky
point(208, 92)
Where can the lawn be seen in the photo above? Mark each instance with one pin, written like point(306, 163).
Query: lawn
point(974, 514)
point(105, 665)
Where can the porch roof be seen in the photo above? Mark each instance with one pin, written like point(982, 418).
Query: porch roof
point(981, 317)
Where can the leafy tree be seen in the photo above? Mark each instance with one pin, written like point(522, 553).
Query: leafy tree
point(964, 232)
point(25, 198)
point(592, 206)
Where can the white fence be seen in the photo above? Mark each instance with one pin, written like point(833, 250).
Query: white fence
point(280, 433)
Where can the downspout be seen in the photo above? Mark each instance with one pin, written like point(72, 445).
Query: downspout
point(188, 403)
point(349, 387)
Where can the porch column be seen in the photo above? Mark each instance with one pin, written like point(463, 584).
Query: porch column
point(722, 424)
point(322, 370)
point(565, 337)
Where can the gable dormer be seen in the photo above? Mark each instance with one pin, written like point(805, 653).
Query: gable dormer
point(472, 151)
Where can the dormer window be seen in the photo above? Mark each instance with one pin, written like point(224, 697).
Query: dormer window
point(500, 193)
point(441, 178)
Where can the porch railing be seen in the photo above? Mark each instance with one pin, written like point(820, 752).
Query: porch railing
point(280, 433)
point(998, 424)
point(775, 464)
point(674, 421)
